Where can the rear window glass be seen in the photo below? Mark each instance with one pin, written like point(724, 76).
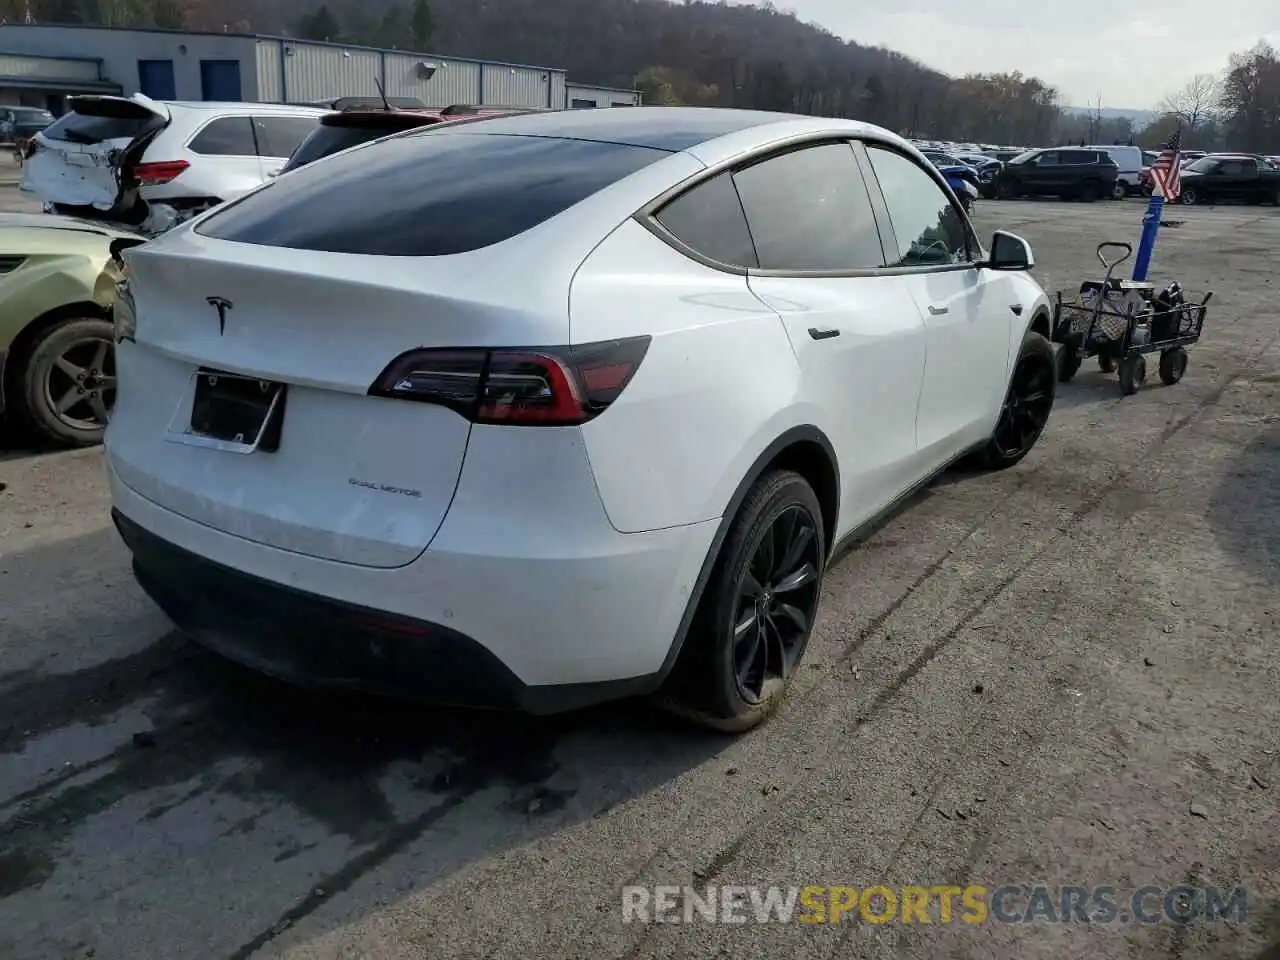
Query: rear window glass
point(426, 194)
point(326, 140)
point(85, 128)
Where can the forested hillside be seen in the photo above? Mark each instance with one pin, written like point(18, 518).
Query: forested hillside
point(697, 52)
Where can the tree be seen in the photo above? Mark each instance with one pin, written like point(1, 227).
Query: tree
point(394, 30)
point(321, 25)
point(1251, 98)
point(169, 14)
point(422, 24)
point(1195, 103)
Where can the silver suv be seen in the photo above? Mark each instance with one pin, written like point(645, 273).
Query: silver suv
point(108, 153)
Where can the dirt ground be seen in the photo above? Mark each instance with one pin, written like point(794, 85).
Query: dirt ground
point(1066, 674)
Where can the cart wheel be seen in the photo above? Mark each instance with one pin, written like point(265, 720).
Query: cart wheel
point(1133, 372)
point(1068, 363)
point(1106, 363)
point(1173, 364)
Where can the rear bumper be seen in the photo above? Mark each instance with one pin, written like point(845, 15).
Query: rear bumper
point(319, 642)
point(502, 610)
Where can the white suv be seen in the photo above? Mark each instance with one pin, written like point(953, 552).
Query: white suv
point(543, 409)
point(179, 158)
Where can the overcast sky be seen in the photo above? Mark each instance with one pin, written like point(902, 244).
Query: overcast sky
point(1132, 52)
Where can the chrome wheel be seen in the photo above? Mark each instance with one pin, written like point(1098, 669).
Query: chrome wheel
point(80, 384)
point(1026, 407)
point(776, 602)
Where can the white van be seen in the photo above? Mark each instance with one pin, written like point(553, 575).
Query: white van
point(1129, 160)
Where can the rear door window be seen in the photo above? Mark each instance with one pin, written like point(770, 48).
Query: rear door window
point(710, 221)
point(809, 211)
point(427, 194)
point(225, 137)
point(278, 137)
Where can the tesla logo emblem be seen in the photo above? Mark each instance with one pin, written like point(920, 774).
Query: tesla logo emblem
point(222, 306)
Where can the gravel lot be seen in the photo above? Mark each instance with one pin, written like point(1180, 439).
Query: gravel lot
point(1027, 678)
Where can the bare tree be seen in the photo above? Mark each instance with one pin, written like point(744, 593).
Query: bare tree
point(1195, 103)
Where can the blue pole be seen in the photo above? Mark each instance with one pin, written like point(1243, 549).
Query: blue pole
point(1147, 245)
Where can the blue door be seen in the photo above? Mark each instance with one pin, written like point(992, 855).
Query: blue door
point(155, 79)
point(220, 80)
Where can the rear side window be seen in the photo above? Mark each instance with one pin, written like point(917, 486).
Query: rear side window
point(280, 136)
point(88, 129)
point(427, 194)
point(709, 220)
point(226, 137)
point(809, 211)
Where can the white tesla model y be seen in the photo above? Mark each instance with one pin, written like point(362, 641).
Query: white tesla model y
point(552, 408)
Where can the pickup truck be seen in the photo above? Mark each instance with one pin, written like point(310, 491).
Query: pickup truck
point(1221, 176)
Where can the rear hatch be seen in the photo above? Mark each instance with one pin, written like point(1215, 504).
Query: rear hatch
point(279, 316)
point(82, 164)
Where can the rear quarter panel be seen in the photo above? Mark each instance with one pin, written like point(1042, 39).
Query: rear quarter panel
point(720, 381)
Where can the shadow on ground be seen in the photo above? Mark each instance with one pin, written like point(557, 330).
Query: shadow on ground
point(1246, 507)
point(377, 772)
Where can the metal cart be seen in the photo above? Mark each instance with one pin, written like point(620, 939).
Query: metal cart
point(1120, 321)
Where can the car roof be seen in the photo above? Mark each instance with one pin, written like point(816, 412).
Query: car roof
point(661, 128)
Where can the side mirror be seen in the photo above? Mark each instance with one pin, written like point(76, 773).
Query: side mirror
point(1009, 252)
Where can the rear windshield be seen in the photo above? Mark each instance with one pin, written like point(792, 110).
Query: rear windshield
point(87, 128)
point(427, 194)
point(334, 139)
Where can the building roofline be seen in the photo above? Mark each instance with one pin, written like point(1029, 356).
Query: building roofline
point(274, 38)
point(601, 88)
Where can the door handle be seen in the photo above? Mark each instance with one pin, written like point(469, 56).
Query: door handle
point(823, 334)
point(938, 311)
point(1016, 308)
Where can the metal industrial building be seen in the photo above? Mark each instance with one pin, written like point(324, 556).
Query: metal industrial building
point(41, 63)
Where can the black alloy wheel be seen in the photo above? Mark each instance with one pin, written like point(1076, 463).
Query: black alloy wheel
point(777, 599)
point(1026, 407)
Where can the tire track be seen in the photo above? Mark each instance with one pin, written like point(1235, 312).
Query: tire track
point(731, 851)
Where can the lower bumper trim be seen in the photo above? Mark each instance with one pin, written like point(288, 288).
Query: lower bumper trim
point(318, 642)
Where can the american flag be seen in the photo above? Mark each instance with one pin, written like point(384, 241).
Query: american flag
point(1165, 171)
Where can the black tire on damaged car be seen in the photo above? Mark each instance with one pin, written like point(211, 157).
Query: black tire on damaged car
point(754, 618)
point(43, 380)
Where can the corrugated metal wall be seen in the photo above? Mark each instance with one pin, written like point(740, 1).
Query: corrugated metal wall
point(516, 86)
point(559, 94)
point(12, 65)
point(317, 72)
point(454, 81)
point(602, 96)
point(269, 75)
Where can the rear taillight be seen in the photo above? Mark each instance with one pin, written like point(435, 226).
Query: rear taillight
point(154, 174)
point(535, 386)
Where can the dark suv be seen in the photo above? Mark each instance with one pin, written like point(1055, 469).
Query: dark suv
point(1068, 172)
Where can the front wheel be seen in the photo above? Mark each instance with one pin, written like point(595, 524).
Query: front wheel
point(1133, 374)
point(754, 620)
point(1027, 405)
point(66, 386)
point(1189, 196)
point(1173, 364)
point(1008, 190)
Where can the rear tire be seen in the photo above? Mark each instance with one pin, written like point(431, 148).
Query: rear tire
point(745, 644)
point(46, 399)
point(1090, 191)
